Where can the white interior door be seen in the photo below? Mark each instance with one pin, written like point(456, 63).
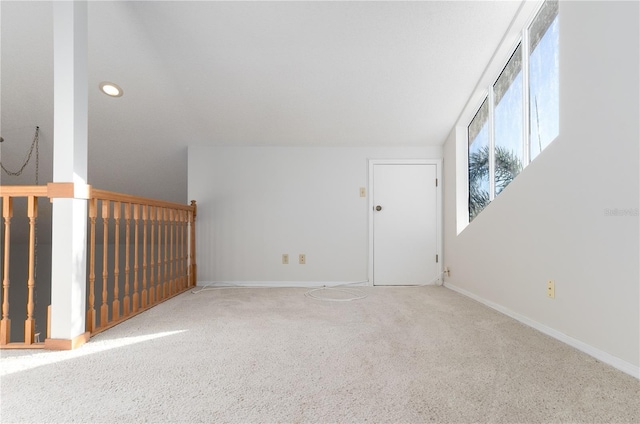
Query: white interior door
point(405, 240)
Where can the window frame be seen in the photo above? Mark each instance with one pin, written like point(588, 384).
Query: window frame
point(519, 38)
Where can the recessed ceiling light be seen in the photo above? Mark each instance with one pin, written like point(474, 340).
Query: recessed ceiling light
point(111, 89)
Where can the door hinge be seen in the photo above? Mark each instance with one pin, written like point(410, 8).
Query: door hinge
point(436, 182)
point(436, 258)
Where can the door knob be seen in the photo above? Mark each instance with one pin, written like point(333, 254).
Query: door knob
point(378, 208)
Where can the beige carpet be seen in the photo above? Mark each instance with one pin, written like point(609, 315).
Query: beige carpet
point(402, 354)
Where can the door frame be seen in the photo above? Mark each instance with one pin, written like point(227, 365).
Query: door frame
point(371, 188)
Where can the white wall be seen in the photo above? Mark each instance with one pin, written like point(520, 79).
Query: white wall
point(550, 222)
point(256, 203)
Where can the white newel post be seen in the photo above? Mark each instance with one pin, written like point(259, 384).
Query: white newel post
point(69, 227)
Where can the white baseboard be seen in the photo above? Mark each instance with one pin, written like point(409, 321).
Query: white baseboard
point(600, 355)
point(303, 284)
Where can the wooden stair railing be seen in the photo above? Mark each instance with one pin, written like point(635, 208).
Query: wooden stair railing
point(163, 250)
point(9, 194)
point(164, 262)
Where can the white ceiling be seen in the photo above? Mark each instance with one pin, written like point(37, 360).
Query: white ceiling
point(246, 74)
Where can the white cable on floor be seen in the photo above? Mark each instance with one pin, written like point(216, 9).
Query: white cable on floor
point(194, 291)
point(208, 287)
point(356, 294)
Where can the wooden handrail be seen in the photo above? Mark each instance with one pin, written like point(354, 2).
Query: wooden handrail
point(51, 190)
point(24, 191)
point(127, 198)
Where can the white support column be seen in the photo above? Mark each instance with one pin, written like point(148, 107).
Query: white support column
point(68, 265)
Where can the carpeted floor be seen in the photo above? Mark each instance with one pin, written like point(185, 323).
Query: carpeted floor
point(402, 354)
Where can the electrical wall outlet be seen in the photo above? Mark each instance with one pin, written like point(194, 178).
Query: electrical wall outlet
point(285, 259)
point(551, 289)
point(447, 271)
point(302, 259)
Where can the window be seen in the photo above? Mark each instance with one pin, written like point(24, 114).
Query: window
point(519, 116)
point(508, 121)
point(479, 161)
point(544, 78)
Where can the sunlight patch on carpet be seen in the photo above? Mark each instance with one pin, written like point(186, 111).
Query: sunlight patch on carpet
point(14, 364)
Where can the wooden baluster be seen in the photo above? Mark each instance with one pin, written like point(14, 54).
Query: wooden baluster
point(145, 215)
point(192, 221)
point(172, 226)
point(185, 229)
point(104, 309)
point(182, 280)
point(189, 261)
point(91, 312)
point(136, 217)
point(160, 290)
point(178, 275)
point(178, 250)
point(126, 301)
point(116, 261)
point(5, 323)
point(152, 281)
point(176, 246)
point(165, 217)
point(30, 323)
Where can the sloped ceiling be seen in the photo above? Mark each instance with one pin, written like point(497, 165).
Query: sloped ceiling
point(245, 74)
